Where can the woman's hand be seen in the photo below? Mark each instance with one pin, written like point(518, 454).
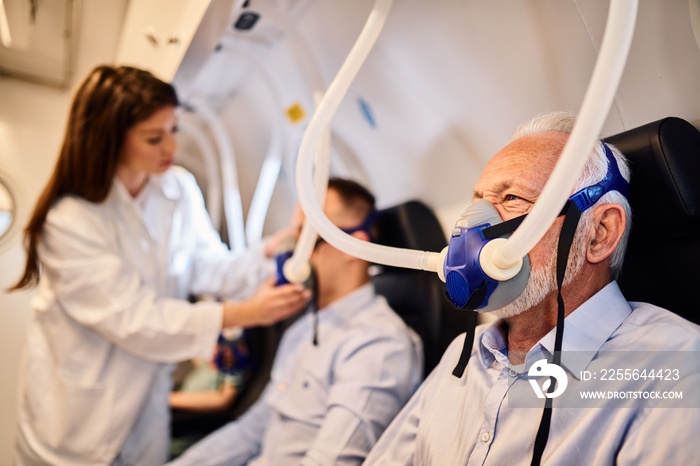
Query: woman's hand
point(268, 305)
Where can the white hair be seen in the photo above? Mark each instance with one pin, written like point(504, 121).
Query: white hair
point(594, 171)
point(543, 279)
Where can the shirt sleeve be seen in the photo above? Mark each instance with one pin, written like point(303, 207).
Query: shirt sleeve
point(92, 284)
point(372, 381)
point(217, 270)
point(397, 444)
point(235, 443)
point(665, 434)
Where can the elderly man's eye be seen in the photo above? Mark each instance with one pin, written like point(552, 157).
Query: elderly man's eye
point(513, 203)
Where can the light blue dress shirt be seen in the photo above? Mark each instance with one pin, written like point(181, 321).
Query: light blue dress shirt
point(325, 404)
point(473, 421)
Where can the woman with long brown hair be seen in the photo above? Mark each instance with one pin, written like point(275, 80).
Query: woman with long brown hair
point(116, 243)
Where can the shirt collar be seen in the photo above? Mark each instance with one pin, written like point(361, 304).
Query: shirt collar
point(346, 307)
point(589, 327)
point(167, 184)
point(492, 344)
point(585, 331)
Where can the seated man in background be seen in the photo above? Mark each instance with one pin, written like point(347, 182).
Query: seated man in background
point(340, 375)
point(482, 416)
point(212, 386)
point(208, 389)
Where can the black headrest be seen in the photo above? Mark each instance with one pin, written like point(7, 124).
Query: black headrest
point(665, 162)
point(411, 225)
point(419, 296)
point(662, 262)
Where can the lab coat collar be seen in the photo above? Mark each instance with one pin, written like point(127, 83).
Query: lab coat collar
point(119, 193)
point(166, 184)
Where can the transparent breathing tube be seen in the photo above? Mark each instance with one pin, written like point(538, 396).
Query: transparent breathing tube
point(297, 269)
point(321, 119)
point(211, 168)
point(505, 256)
point(594, 110)
point(232, 195)
point(272, 163)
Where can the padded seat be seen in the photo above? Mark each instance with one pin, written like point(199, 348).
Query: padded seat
point(662, 262)
point(419, 296)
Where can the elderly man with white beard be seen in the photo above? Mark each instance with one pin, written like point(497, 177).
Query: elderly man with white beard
point(492, 412)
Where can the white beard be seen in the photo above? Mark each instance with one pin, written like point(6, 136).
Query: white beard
point(543, 280)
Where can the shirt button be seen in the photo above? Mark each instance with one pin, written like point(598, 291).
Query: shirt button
point(281, 387)
point(512, 373)
point(485, 437)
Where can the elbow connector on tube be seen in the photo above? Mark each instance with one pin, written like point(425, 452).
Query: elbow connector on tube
point(494, 264)
point(296, 272)
point(396, 257)
point(297, 268)
point(437, 263)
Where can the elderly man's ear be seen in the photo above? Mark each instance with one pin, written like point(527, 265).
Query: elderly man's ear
point(609, 222)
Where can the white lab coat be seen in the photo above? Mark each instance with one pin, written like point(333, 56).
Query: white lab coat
point(110, 319)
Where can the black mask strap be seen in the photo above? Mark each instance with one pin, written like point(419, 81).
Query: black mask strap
point(566, 238)
point(509, 226)
point(503, 228)
point(474, 300)
point(477, 296)
point(313, 279)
